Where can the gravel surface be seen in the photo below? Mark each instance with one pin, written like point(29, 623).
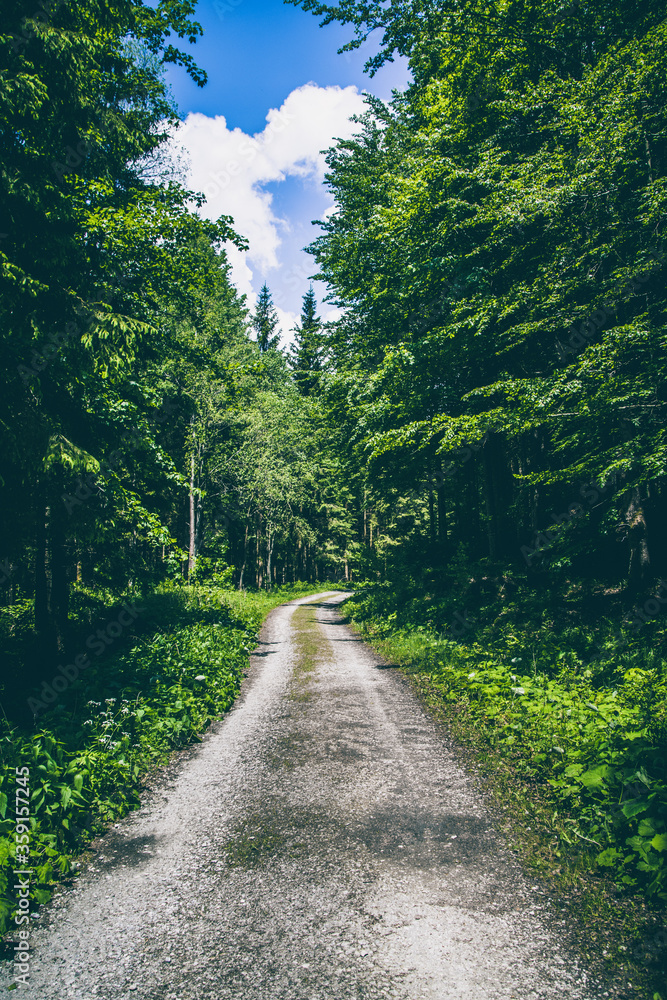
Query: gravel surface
point(321, 842)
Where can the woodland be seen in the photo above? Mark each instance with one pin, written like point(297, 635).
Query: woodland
point(476, 447)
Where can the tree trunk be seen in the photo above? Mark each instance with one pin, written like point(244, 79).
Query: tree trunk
point(269, 552)
point(59, 596)
point(639, 566)
point(431, 510)
point(258, 548)
point(191, 548)
point(442, 514)
point(245, 556)
point(41, 567)
point(498, 483)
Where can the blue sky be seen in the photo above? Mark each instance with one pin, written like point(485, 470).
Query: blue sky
point(278, 93)
point(257, 51)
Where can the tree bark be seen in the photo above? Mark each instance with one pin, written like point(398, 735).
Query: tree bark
point(442, 514)
point(245, 556)
point(41, 567)
point(59, 596)
point(639, 566)
point(498, 487)
point(258, 547)
point(192, 555)
point(269, 552)
point(431, 509)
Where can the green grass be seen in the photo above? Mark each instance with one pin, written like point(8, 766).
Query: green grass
point(124, 715)
point(572, 751)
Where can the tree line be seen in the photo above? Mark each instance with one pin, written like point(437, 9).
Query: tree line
point(497, 251)
point(489, 403)
point(152, 428)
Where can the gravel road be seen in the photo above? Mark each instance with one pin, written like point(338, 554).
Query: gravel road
point(322, 842)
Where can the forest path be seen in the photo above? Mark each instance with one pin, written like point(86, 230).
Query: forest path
point(321, 842)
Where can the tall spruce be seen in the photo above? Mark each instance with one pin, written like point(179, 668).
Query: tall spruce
point(265, 322)
point(306, 352)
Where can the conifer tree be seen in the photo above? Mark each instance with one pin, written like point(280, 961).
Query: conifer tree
point(265, 322)
point(306, 352)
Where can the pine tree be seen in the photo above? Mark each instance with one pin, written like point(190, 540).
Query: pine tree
point(265, 322)
point(306, 352)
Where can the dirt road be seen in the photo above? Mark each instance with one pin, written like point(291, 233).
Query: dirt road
point(321, 843)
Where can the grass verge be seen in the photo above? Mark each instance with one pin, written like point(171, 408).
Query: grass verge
point(572, 759)
point(101, 728)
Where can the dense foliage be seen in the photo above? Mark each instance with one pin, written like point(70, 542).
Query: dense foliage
point(497, 384)
point(580, 723)
point(179, 667)
point(497, 244)
point(145, 434)
point(482, 429)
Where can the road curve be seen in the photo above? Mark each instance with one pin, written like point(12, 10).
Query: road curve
point(321, 842)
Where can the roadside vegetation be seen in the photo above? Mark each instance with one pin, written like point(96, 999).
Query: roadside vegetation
point(88, 753)
point(480, 437)
point(567, 723)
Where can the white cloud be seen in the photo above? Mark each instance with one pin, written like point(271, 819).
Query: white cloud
point(288, 321)
point(233, 169)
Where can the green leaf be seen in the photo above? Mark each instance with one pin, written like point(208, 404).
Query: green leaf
point(609, 857)
point(595, 777)
point(633, 808)
point(659, 842)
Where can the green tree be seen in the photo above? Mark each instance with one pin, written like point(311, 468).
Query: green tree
point(265, 322)
point(96, 256)
point(498, 248)
point(307, 349)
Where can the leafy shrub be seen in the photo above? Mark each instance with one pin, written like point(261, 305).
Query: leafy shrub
point(591, 736)
point(121, 717)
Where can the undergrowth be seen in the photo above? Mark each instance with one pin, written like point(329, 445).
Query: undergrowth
point(86, 754)
point(577, 741)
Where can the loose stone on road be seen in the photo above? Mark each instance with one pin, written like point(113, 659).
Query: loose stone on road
point(322, 842)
